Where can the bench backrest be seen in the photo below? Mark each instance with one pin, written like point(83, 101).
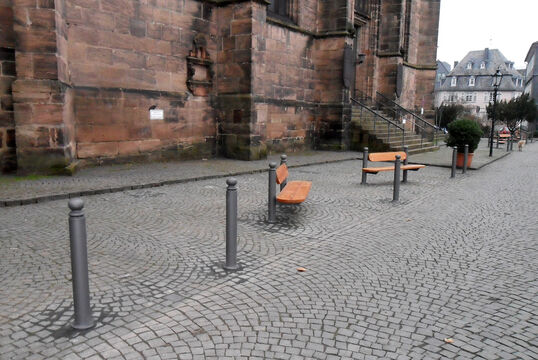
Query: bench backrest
point(386, 156)
point(281, 173)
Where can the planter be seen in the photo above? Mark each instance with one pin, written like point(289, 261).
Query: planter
point(459, 160)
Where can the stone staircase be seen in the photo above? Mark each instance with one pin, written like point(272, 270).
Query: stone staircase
point(385, 137)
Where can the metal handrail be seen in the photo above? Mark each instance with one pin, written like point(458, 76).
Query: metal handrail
point(399, 107)
point(387, 121)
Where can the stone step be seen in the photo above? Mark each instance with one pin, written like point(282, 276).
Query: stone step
point(392, 136)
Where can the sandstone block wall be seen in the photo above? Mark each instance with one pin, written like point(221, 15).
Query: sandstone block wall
point(8, 155)
point(79, 78)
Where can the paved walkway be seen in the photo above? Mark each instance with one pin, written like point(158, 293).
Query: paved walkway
point(113, 178)
point(454, 259)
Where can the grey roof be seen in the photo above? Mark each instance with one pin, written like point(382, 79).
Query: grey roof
point(443, 67)
point(493, 59)
point(532, 49)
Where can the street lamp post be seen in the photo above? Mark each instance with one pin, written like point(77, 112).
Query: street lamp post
point(497, 77)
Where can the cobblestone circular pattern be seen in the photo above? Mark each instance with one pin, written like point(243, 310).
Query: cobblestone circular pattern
point(453, 259)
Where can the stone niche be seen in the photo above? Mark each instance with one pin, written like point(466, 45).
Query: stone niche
point(199, 68)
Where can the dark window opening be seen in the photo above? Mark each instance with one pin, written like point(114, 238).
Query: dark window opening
point(363, 7)
point(281, 9)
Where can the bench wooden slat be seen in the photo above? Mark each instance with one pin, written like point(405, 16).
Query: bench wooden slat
point(295, 192)
point(386, 156)
point(281, 174)
point(375, 170)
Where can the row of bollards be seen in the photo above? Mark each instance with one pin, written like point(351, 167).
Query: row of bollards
point(83, 318)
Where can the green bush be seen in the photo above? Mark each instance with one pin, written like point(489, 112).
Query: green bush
point(464, 131)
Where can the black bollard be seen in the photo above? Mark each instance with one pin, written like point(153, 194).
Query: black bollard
point(454, 157)
point(231, 225)
point(283, 160)
point(79, 266)
point(396, 192)
point(465, 155)
point(364, 164)
point(508, 144)
point(271, 201)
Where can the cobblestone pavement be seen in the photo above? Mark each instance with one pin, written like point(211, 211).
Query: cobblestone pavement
point(113, 178)
point(455, 258)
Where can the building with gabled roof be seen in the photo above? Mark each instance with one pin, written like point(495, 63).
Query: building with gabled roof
point(470, 83)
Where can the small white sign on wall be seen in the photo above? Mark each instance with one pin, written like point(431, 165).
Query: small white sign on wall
point(156, 114)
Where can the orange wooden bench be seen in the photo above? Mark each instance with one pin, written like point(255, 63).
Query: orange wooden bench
point(386, 157)
point(295, 192)
point(503, 138)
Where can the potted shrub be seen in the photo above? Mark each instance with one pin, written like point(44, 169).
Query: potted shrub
point(461, 132)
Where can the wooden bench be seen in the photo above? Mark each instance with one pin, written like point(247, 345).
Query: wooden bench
point(502, 138)
point(291, 192)
point(294, 192)
point(387, 157)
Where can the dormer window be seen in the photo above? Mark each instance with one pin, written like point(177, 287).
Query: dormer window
point(471, 81)
point(482, 65)
point(453, 81)
point(469, 65)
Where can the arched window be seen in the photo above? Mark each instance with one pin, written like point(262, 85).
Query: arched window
point(471, 81)
point(453, 81)
point(469, 65)
point(482, 65)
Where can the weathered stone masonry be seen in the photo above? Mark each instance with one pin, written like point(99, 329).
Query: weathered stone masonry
point(79, 77)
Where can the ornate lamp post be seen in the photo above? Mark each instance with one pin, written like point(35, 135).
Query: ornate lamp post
point(497, 77)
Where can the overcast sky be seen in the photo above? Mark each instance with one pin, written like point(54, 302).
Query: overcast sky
point(466, 25)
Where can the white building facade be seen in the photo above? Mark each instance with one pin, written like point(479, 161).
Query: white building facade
point(470, 83)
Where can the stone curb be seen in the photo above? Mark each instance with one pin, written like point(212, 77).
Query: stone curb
point(46, 198)
point(448, 166)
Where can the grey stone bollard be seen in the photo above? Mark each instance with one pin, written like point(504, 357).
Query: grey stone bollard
point(283, 160)
point(396, 191)
point(405, 162)
point(465, 154)
point(364, 164)
point(79, 266)
point(271, 201)
point(231, 225)
point(454, 159)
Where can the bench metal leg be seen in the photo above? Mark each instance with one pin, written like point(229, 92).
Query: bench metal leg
point(406, 149)
point(231, 225)
point(364, 164)
point(271, 201)
point(396, 190)
point(283, 160)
